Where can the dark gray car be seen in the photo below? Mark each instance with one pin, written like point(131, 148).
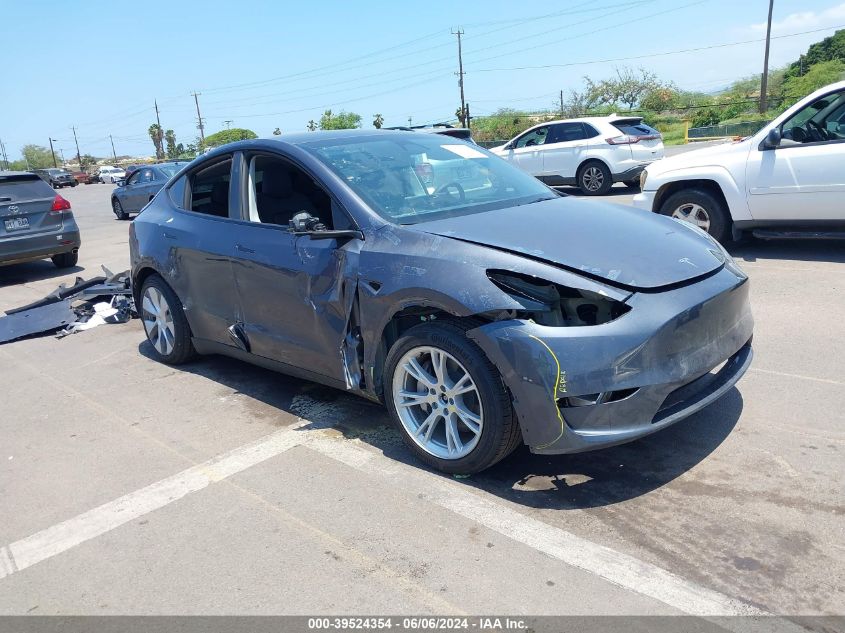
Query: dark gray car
point(481, 317)
point(57, 178)
point(35, 222)
point(140, 187)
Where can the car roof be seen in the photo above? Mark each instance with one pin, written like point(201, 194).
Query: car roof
point(8, 173)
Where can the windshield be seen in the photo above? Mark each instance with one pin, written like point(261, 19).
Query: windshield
point(408, 179)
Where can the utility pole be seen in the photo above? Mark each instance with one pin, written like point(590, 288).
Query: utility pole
point(409, 121)
point(78, 157)
point(53, 153)
point(561, 104)
point(114, 153)
point(227, 123)
point(468, 117)
point(764, 80)
point(199, 117)
point(159, 133)
point(460, 74)
point(3, 150)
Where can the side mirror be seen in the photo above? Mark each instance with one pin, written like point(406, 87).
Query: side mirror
point(120, 183)
point(304, 223)
point(772, 139)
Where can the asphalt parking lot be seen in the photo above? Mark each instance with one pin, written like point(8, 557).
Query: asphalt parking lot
point(131, 487)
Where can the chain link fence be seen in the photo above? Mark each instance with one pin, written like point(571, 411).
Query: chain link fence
point(745, 128)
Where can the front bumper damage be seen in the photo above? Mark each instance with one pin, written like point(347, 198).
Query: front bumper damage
point(581, 388)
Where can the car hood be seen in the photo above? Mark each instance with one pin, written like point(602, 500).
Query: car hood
point(499, 149)
point(713, 155)
point(623, 246)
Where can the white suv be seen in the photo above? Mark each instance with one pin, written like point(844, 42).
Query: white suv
point(592, 153)
point(788, 180)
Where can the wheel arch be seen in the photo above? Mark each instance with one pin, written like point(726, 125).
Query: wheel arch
point(587, 161)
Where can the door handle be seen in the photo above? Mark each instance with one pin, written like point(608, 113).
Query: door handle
point(244, 249)
point(169, 236)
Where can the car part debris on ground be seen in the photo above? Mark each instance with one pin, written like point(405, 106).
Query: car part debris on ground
point(70, 309)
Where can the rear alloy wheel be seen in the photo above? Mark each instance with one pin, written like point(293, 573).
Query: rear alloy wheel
point(700, 208)
point(65, 260)
point(164, 322)
point(448, 400)
point(118, 209)
point(595, 179)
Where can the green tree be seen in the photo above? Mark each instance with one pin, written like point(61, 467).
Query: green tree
point(626, 88)
point(229, 136)
point(378, 121)
point(277, 132)
point(157, 135)
point(88, 161)
point(818, 76)
point(829, 49)
point(37, 156)
point(170, 139)
point(312, 125)
point(339, 121)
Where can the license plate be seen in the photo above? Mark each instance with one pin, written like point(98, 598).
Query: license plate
point(17, 224)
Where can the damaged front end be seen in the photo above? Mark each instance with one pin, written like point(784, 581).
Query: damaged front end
point(588, 370)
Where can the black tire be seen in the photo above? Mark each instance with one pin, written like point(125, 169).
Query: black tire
point(632, 184)
point(720, 221)
point(65, 260)
point(500, 433)
point(73, 184)
point(594, 178)
point(117, 208)
point(182, 348)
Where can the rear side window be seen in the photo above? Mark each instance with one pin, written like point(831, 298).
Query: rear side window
point(210, 189)
point(24, 187)
point(564, 132)
point(176, 192)
point(635, 127)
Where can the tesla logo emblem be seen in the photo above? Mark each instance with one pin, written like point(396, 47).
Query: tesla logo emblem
point(686, 260)
point(13, 208)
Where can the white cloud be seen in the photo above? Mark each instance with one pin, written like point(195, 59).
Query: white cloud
point(805, 20)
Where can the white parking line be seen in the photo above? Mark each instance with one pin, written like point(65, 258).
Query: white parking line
point(63, 536)
point(827, 381)
point(616, 567)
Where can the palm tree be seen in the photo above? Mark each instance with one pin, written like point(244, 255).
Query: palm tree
point(378, 121)
point(157, 134)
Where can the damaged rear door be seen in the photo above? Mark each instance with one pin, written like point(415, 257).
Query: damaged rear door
point(296, 294)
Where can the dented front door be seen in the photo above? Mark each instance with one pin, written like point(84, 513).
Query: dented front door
point(295, 297)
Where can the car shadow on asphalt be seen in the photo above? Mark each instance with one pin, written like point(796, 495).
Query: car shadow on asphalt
point(15, 274)
point(616, 190)
point(561, 482)
point(804, 250)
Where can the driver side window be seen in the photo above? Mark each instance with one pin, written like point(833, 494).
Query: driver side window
point(279, 190)
point(534, 137)
point(818, 122)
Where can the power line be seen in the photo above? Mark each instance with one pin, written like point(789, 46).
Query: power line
point(661, 54)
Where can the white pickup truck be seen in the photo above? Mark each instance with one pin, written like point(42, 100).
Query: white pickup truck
point(788, 180)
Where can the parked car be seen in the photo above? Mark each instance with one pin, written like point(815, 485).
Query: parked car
point(141, 186)
point(109, 174)
point(37, 223)
point(591, 153)
point(480, 318)
point(80, 177)
point(57, 178)
point(443, 129)
point(788, 180)
point(93, 177)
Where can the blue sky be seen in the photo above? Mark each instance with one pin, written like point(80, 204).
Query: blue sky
point(265, 63)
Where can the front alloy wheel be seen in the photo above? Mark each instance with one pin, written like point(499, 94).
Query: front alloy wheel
point(694, 214)
point(448, 400)
point(438, 403)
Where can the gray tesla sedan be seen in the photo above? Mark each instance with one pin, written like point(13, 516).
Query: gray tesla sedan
point(141, 185)
point(481, 307)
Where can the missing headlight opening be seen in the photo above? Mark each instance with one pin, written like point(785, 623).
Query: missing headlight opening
point(554, 305)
